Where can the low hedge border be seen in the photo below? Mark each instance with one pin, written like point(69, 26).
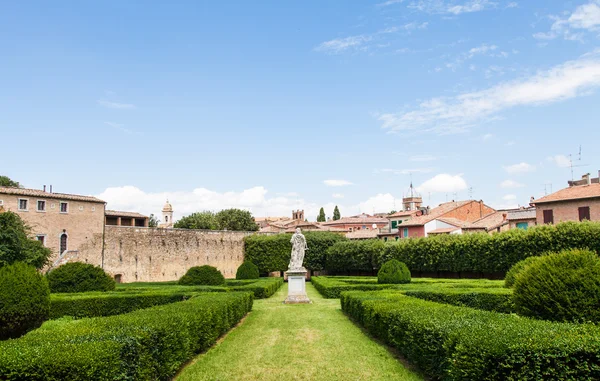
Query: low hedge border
point(499, 300)
point(263, 288)
point(458, 343)
point(331, 288)
point(150, 344)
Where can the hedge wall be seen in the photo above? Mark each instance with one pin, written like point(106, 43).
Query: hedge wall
point(498, 300)
point(272, 252)
point(480, 253)
point(262, 288)
point(459, 343)
point(150, 344)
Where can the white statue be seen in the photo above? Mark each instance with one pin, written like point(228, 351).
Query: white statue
point(298, 249)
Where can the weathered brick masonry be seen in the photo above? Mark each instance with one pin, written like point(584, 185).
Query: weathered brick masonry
point(155, 255)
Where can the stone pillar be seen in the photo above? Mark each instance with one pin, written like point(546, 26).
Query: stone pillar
point(118, 221)
point(296, 287)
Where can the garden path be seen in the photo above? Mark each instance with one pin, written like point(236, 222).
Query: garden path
point(297, 342)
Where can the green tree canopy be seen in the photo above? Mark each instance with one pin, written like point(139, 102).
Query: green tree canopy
point(153, 221)
point(321, 217)
point(15, 244)
point(5, 181)
point(198, 220)
point(236, 219)
point(336, 213)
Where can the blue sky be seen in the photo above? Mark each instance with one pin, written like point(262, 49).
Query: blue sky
point(273, 106)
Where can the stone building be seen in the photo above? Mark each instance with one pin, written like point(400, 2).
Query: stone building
point(356, 223)
point(580, 201)
point(119, 218)
point(522, 218)
point(63, 222)
point(167, 216)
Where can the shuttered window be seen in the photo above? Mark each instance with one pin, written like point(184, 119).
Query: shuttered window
point(548, 216)
point(584, 213)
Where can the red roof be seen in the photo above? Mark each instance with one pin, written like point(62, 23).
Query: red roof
point(572, 193)
point(357, 221)
point(403, 213)
point(436, 213)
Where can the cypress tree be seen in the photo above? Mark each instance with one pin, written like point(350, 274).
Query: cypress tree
point(321, 216)
point(336, 214)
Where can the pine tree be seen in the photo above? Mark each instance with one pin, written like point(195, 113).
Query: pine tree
point(336, 213)
point(321, 216)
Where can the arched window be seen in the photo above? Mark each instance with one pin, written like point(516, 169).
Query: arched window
point(63, 242)
point(166, 218)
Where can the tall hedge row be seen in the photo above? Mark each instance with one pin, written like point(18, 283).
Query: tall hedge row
point(150, 344)
point(272, 252)
point(468, 252)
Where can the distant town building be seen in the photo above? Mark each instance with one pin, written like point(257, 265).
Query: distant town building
point(356, 223)
point(119, 218)
point(579, 202)
point(62, 222)
point(522, 218)
point(167, 216)
point(263, 222)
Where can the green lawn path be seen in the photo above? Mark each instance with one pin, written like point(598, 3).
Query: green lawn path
point(297, 342)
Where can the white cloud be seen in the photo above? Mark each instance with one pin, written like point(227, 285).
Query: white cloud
point(120, 127)
point(487, 137)
point(586, 17)
point(511, 184)
point(512, 4)
point(422, 158)
point(115, 105)
point(509, 197)
point(388, 3)
point(443, 183)
point(519, 168)
point(481, 49)
point(379, 203)
point(337, 195)
point(457, 114)
point(451, 7)
point(339, 45)
point(561, 161)
point(337, 183)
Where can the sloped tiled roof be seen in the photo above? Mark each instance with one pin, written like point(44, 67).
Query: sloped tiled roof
point(443, 231)
point(403, 213)
point(522, 214)
point(491, 221)
point(368, 220)
point(116, 213)
point(42, 194)
point(571, 193)
point(362, 234)
point(435, 213)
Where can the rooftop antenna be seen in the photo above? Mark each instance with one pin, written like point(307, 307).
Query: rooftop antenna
point(575, 166)
point(546, 186)
point(470, 193)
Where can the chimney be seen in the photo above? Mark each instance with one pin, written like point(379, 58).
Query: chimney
point(503, 217)
point(50, 188)
point(44, 188)
point(586, 177)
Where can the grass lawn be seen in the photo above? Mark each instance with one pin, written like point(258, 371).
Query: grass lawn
point(297, 342)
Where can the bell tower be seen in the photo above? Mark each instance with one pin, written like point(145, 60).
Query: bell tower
point(167, 215)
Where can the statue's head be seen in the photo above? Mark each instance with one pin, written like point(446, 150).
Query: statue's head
point(298, 231)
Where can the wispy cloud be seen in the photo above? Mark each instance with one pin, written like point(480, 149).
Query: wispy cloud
point(120, 127)
point(339, 45)
point(519, 168)
point(337, 195)
point(337, 183)
point(457, 114)
point(586, 17)
point(511, 184)
point(452, 7)
point(561, 161)
point(487, 137)
point(388, 3)
point(116, 105)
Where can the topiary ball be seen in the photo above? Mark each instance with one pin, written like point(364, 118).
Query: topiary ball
point(202, 275)
point(79, 277)
point(247, 270)
point(393, 272)
point(560, 287)
point(24, 300)
point(511, 275)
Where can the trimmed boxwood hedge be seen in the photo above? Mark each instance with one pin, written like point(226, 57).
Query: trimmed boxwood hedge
point(393, 272)
point(511, 274)
point(346, 256)
point(263, 288)
point(150, 344)
point(272, 252)
point(202, 275)
point(498, 300)
point(79, 277)
point(247, 270)
point(459, 343)
point(332, 287)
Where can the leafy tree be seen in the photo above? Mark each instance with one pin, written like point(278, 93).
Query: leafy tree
point(5, 181)
point(153, 221)
point(15, 244)
point(392, 211)
point(321, 217)
point(235, 219)
point(199, 220)
point(336, 213)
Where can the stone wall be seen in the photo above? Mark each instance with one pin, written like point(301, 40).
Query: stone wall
point(157, 255)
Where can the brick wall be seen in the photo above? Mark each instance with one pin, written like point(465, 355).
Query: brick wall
point(156, 255)
point(568, 210)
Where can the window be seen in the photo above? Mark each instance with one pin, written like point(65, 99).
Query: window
point(405, 232)
point(548, 216)
point(166, 218)
point(522, 225)
point(41, 206)
point(41, 238)
point(364, 226)
point(64, 207)
point(350, 229)
point(394, 224)
point(584, 213)
point(23, 204)
point(63, 243)
point(93, 210)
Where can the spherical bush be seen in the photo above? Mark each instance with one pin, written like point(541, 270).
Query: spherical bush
point(247, 270)
point(393, 272)
point(24, 300)
point(511, 275)
point(560, 287)
point(202, 275)
point(79, 277)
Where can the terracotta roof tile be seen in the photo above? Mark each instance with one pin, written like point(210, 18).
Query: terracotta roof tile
point(42, 194)
point(571, 193)
point(403, 213)
point(522, 214)
point(443, 231)
point(358, 220)
point(436, 213)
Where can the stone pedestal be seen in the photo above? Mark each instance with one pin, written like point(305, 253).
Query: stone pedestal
point(296, 287)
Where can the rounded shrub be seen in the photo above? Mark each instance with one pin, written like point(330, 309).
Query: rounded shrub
point(24, 300)
point(202, 275)
point(393, 272)
point(560, 287)
point(79, 277)
point(511, 275)
point(247, 270)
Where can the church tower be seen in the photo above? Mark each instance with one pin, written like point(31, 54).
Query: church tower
point(167, 216)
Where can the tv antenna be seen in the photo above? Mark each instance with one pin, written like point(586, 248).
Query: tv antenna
point(546, 186)
point(575, 166)
point(470, 193)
